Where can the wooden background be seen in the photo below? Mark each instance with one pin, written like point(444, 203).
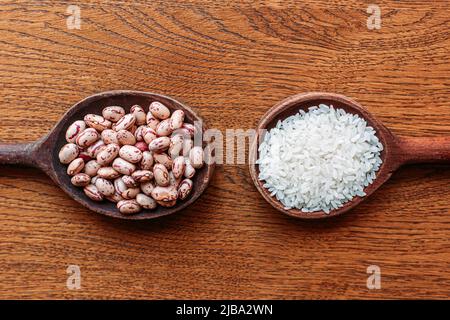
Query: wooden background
point(230, 61)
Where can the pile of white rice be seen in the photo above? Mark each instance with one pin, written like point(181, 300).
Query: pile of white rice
point(320, 159)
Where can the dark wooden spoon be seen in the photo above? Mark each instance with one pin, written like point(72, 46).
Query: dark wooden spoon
point(397, 150)
point(43, 154)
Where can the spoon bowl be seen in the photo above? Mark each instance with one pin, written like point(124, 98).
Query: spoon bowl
point(397, 151)
point(43, 154)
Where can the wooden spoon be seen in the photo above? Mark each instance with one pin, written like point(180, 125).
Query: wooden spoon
point(43, 154)
point(397, 150)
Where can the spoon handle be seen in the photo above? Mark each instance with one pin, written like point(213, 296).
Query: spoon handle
point(425, 149)
point(18, 154)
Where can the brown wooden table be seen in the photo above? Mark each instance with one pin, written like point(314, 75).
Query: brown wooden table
point(229, 62)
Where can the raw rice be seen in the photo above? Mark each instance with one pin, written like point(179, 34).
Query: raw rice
point(320, 159)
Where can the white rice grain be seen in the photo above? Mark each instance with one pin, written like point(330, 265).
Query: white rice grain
point(320, 159)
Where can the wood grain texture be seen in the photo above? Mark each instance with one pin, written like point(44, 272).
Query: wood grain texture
point(230, 61)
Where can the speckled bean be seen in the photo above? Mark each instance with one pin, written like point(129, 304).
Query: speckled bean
point(128, 206)
point(159, 110)
point(116, 197)
point(74, 130)
point(177, 138)
point(126, 122)
point(138, 134)
point(141, 145)
point(142, 175)
point(107, 155)
point(94, 179)
point(174, 182)
point(92, 192)
point(152, 122)
point(94, 149)
point(148, 134)
point(175, 149)
point(147, 187)
point(80, 180)
point(178, 166)
point(91, 168)
point(139, 114)
point(147, 160)
point(159, 144)
point(68, 153)
point(185, 188)
point(87, 137)
point(109, 136)
point(130, 154)
point(105, 187)
point(129, 181)
point(123, 166)
point(161, 175)
point(163, 159)
point(113, 113)
point(126, 137)
point(145, 201)
point(76, 166)
point(97, 122)
point(108, 173)
point(176, 119)
point(130, 193)
point(164, 193)
point(190, 128)
point(163, 129)
point(120, 185)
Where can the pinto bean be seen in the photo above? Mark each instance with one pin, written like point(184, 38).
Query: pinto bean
point(91, 168)
point(176, 119)
point(107, 155)
point(108, 173)
point(105, 187)
point(139, 114)
point(123, 166)
point(159, 110)
point(185, 188)
point(68, 153)
point(81, 180)
point(113, 113)
point(97, 122)
point(130, 154)
point(128, 207)
point(159, 144)
point(75, 167)
point(145, 201)
point(125, 137)
point(87, 137)
point(74, 130)
point(126, 122)
point(92, 192)
point(164, 193)
point(161, 175)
